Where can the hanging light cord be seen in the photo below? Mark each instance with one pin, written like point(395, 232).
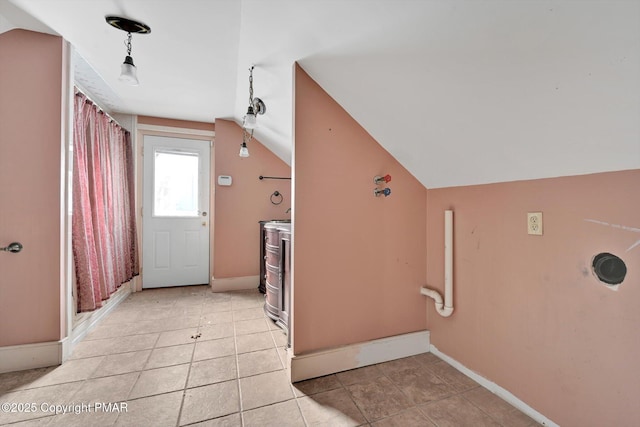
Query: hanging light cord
point(127, 43)
point(246, 135)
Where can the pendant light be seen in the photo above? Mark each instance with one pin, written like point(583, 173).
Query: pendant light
point(128, 71)
point(246, 136)
point(249, 123)
point(244, 151)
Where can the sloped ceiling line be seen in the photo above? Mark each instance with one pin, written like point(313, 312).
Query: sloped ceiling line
point(460, 92)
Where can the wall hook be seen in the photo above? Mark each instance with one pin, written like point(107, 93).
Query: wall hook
point(378, 191)
point(382, 179)
point(14, 247)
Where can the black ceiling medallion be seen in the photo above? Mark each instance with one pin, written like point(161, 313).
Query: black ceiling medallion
point(127, 25)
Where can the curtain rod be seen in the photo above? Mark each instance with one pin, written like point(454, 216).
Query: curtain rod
point(100, 109)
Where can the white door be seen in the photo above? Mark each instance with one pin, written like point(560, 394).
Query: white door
point(175, 212)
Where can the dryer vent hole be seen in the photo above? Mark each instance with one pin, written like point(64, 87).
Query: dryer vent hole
point(609, 268)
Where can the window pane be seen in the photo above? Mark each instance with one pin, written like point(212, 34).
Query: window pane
point(175, 184)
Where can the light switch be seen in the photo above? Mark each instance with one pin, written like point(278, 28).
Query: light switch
point(534, 223)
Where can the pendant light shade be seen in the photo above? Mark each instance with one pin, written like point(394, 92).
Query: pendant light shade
point(250, 119)
point(244, 151)
point(128, 73)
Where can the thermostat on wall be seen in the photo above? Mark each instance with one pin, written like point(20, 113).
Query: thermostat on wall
point(224, 180)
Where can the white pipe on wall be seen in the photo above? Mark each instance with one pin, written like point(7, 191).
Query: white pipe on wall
point(445, 308)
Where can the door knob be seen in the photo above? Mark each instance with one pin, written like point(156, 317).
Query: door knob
point(14, 247)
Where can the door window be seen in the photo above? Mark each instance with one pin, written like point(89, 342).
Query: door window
point(175, 184)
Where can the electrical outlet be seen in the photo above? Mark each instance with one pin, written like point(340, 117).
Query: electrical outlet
point(534, 223)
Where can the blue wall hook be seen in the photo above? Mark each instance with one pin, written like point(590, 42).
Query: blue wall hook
point(378, 191)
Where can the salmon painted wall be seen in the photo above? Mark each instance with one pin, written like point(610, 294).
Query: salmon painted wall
point(30, 191)
point(359, 259)
point(529, 313)
point(160, 121)
point(239, 207)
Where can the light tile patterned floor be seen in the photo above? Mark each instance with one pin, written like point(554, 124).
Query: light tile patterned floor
point(187, 356)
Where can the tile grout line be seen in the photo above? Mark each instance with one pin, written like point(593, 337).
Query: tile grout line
point(416, 405)
point(395, 386)
point(284, 367)
point(186, 380)
point(126, 399)
point(137, 376)
point(352, 398)
point(235, 352)
point(448, 383)
point(409, 399)
point(479, 408)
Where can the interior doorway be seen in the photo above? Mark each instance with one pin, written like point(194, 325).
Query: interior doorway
point(175, 211)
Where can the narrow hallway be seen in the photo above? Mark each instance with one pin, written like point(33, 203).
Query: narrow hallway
point(187, 356)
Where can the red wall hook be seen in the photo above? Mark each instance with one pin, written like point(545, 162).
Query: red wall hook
point(382, 179)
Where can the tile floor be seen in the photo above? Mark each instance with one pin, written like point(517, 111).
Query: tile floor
point(186, 356)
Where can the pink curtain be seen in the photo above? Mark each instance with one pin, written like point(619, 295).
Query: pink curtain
point(104, 223)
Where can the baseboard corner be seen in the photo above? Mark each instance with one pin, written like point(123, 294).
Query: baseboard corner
point(235, 283)
point(343, 358)
point(30, 356)
point(494, 388)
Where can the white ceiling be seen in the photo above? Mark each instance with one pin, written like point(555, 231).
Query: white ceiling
point(460, 92)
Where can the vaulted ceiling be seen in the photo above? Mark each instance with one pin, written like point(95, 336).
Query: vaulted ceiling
point(460, 92)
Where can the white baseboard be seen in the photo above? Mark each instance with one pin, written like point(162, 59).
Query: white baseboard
point(53, 353)
point(495, 389)
point(330, 361)
point(93, 319)
point(235, 283)
point(29, 356)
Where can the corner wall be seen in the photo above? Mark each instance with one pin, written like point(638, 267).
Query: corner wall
point(240, 207)
point(31, 84)
point(529, 313)
point(359, 260)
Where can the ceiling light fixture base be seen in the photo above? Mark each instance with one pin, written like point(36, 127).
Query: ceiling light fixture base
point(127, 25)
point(258, 106)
